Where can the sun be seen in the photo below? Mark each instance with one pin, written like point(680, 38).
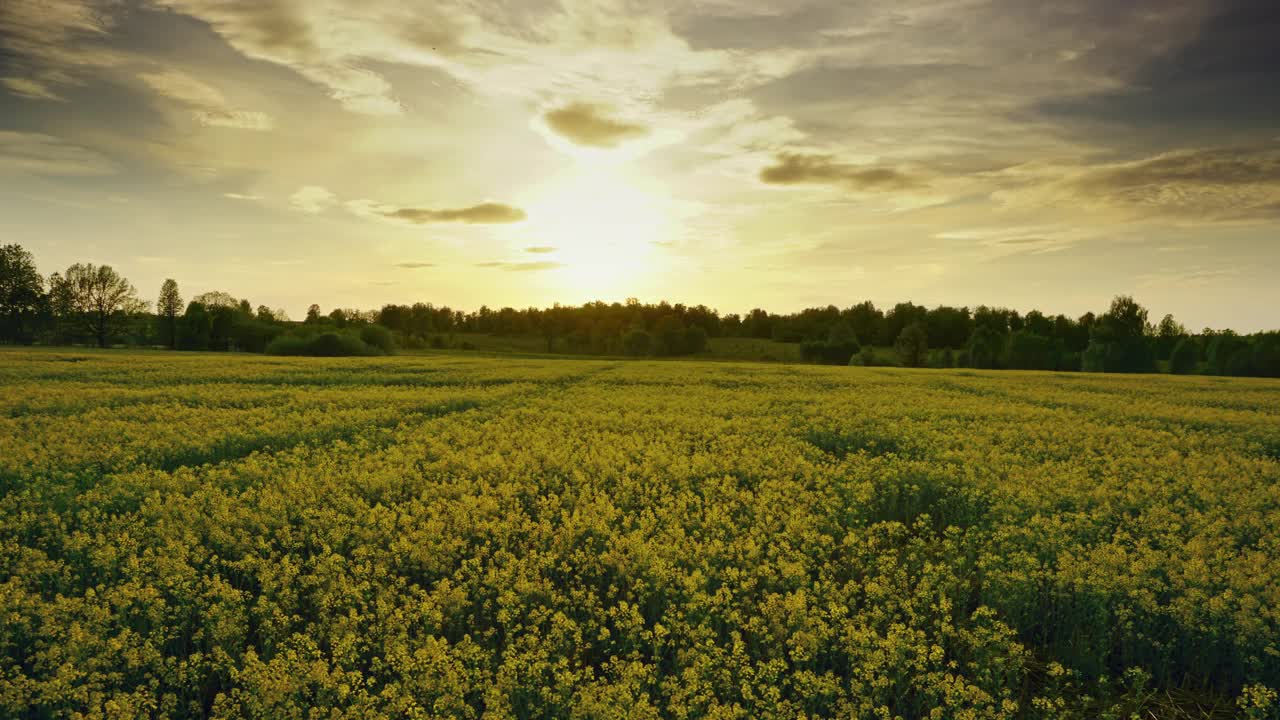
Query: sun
point(605, 227)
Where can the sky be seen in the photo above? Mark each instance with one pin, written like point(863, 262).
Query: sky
point(736, 153)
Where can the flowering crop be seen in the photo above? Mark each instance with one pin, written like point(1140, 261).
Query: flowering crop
point(233, 536)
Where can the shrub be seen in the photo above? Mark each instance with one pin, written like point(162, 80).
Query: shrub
point(912, 345)
point(1029, 351)
point(376, 336)
point(825, 352)
point(326, 344)
point(1185, 357)
point(636, 342)
point(695, 340)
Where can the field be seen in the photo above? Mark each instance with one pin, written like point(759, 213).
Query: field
point(187, 535)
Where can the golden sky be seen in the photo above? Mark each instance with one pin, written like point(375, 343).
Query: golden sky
point(736, 153)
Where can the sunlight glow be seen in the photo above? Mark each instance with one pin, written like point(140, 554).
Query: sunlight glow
point(604, 227)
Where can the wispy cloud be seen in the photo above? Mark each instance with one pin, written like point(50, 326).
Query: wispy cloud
point(486, 213)
point(313, 199)
point(29, 88)
point(521, 266)
point(1208, 185)
point(206, 103)
point(415, 265)
point(39, 154)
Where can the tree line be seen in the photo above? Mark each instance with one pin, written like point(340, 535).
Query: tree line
point(94, 304)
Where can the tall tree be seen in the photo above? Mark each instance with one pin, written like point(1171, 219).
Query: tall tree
point(912, 345)
point(168, 307)
point(21, 294)
point(99, 297)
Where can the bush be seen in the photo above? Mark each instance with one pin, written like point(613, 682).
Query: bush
point(695, 340)
point(1266, 355)
point(327, 344)
point(636, 342)
point(378, 337)
point(1124, 355)
point(1185, 357)
point(912, 345)
point(1029, 351)
point(825, 352)
point(865, 358)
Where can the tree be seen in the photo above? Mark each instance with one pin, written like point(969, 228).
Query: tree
point(636, 342)
point(1029, 351)
point(669, 335)
point(912, 345)
point(1185, 357)
point(983, 349)
point(21, 294)
point(1118, 341)
point(1168, 332)
point(168, 307)
point(195, 329)
point(313, 314)
point(99, 298)
point(695, 340)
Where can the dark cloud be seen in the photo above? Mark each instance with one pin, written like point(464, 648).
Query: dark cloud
point(540, 249)
point(788, 26)
point(590, 125)
point(521, 266)
point(1223, 80)
point(415, 265)
point(799, 169)
point(483, 214)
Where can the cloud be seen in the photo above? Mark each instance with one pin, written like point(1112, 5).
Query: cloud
point(312, 199)
point(521, 266)
point(207, 103)
point(488, 213)
point(323, 41)
point(239, 196)
point(800, 169)
point(540, 249)
point(1204, 185)
point(28, 88)
point(50, 42)
point(415, 265)
point(39, 154)
point(1182, 278)
point(591, 126)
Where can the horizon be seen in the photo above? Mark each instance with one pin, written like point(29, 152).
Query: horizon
point(724, 153)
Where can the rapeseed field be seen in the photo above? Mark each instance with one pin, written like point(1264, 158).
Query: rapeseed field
point(452, 537)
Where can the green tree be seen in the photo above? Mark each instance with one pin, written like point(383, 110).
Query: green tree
point(695, 340)
point(1118, 341)
point(100, 298)
point(1185, 357)
point(636, 342)
point(195, 329)
point(669, 334)
point(168, 307)
point(1168, 333)
point(912, 345)
point(1029, 351)
point(21, 294)
point(983, 349)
